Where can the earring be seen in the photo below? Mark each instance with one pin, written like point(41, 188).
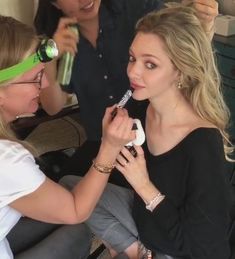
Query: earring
point(179, 85)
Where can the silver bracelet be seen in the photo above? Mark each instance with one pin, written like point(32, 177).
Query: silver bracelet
point(154, 202)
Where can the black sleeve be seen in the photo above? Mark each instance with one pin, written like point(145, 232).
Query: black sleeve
point(200, 229)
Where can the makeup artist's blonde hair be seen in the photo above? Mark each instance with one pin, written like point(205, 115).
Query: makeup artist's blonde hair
point(190, 50)
point(18, 41)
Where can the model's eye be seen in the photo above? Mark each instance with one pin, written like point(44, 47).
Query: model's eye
point(131, 59)
point(150, 65)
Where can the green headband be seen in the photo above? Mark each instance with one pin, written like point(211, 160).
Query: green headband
point(46, 51)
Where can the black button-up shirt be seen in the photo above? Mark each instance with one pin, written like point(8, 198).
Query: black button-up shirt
point(99, 76)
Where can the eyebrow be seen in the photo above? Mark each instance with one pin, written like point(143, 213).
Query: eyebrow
point(146, 55)
point(150, 56)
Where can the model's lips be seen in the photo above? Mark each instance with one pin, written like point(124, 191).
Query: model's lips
point(87, 6)
point(136, 86)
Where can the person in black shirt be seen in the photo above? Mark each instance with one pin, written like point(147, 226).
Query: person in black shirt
point(181, 198)
point(99, 79)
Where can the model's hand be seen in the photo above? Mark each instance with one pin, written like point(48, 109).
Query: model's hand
point(117, 131)
point(207, 10)
point(65, 38)
point(133, 168)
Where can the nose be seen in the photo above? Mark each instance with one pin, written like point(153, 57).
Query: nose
point(134, 71)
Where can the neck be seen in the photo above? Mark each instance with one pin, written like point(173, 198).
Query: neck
point(170, 110)
point(90, 30)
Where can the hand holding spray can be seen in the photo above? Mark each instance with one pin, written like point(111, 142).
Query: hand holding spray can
point(66, 63)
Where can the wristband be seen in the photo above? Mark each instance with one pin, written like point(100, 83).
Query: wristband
point(154, 202)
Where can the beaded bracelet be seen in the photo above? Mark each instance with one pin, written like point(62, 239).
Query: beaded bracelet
point(154, 202)
point(104, 169)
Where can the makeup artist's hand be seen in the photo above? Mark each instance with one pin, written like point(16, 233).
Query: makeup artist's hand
point(64, 37)
point(117, 131)
point(133, 168)
point(207, 10)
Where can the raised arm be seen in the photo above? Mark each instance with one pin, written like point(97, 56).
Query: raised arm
point(52, 97)
point(207, 11)
point(53, 203)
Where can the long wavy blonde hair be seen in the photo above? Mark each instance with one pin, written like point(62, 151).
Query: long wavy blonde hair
point(18, 41)
point(190, 50)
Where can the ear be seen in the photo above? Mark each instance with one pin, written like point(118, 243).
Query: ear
point(180, 76)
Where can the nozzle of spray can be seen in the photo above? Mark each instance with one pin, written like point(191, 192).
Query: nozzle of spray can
point(66, 64)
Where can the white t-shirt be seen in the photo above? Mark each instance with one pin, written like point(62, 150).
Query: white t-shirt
point(19, 176)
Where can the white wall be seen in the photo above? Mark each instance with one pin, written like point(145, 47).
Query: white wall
point(22, 10)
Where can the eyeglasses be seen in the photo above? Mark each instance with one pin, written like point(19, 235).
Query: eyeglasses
point(38, 80)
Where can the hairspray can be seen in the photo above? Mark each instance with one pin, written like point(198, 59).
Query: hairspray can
point(66, 64)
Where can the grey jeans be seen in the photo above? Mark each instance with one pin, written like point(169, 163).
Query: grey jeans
point(108, 222)
point(112, 219)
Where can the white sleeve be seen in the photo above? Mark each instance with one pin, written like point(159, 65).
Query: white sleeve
point(19, 174)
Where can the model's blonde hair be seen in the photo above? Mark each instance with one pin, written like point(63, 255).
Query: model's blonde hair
point(190, 50)
point(18, 41)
